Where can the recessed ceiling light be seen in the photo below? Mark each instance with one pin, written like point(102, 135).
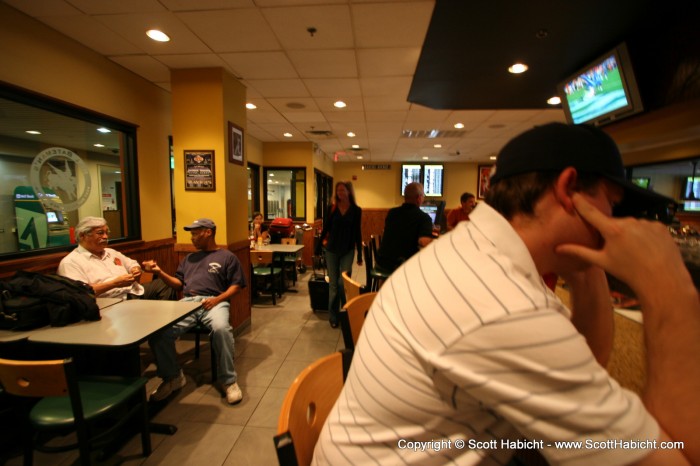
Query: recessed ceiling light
point(554, 100)
point(98, 145)
point(250, 106)
point(31, 131)
point(355, 146)
point(104, 130)
point(426, 158)
point(437, 146)
point(287, 135)
point(493, 157)
point(340, 104)
point(359, 157)
point(517, 68)
point(158, 36)
point(351, 134)
point(459, 125)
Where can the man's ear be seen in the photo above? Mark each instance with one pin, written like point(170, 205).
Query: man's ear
point(565, 187)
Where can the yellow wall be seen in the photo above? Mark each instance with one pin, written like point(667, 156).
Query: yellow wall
point(204, 101)
point(40, 59)
point(380, 188)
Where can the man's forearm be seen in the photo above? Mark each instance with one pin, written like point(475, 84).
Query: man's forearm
point(672, 336)
point(169, 280)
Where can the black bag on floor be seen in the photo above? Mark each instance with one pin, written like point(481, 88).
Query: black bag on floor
point(66, 300)
point(318, 287)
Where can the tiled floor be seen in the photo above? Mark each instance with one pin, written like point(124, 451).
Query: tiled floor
point(281, 341)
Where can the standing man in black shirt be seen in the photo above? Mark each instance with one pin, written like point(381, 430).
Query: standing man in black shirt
point(407, 228)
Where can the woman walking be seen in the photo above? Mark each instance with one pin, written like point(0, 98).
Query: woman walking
point(341, 236)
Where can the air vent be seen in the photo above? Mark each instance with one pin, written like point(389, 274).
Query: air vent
point(320, 133)
point(431, 134)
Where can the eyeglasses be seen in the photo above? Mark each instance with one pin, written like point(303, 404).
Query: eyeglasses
point(100, 232)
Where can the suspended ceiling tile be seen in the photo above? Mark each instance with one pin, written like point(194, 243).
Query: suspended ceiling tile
point(332, 24)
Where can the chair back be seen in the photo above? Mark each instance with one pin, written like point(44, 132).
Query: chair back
point(373, 245)
point(352, 317)
point(352, 287)
point(306, 406)
point(35, 379)
point(258, 257)
point(369, 265)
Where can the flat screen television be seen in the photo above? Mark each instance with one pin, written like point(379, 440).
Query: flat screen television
point(431, 210)
point(642, 182)
point(603, 91)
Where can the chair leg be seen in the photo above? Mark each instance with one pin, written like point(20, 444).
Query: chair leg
point(196, 343)
point(214, 359)
point(145, 426)
point(28, 446)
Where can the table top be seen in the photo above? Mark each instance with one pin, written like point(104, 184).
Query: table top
point(125, 323)
point(286, 248)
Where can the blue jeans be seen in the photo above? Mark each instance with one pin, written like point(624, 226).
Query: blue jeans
point(217, 319)
point(337, 264)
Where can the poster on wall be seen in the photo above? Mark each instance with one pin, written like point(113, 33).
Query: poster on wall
point(199, 170)
point(235, 144)
point(484, 177)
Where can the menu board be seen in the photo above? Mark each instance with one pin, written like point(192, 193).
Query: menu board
point(410, 173)
point(432, 180)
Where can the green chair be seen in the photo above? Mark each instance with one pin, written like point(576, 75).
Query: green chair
point(265, 269)
point(92, 407)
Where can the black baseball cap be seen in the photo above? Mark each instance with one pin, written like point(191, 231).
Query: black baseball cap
point(556, 146)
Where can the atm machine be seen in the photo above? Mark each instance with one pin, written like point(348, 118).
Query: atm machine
point(39, 226)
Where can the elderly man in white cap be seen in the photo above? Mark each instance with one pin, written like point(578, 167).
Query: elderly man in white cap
point(110, 273)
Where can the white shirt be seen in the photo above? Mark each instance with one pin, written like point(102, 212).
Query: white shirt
point(81, 264)
point(465, 343)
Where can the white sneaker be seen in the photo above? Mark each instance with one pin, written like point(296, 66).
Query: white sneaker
point(167, 387)
point(233, 393)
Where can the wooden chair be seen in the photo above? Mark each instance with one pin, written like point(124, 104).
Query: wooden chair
point(352, 317)
point(72, 404)
point(306, 406)
point(265, 268)
point(352, 287)
point(291, 261)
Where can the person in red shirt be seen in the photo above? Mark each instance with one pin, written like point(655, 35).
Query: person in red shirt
point(461, 213)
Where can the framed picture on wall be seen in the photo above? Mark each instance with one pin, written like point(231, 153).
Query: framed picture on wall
point(484, 175)
point(199, 170)
point(235, 144)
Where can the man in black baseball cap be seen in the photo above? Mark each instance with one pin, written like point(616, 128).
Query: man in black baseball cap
point(467, 343)
point(555, 146)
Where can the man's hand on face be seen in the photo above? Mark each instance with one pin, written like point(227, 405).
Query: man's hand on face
point(633, 250)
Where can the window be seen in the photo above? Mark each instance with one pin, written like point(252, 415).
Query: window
point(324, 193)
point(59, 163)
point(285, 193)
point(253, 189)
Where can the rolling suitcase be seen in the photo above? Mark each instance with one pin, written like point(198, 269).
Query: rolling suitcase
point(318, 287)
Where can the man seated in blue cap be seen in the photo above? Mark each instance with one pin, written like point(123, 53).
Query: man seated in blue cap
point(210, 276)
point(466, 356)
